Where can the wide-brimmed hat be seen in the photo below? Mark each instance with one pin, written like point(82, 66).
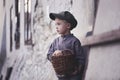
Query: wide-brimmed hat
point(65, 15)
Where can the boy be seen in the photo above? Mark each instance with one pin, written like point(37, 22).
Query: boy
point(65, 22)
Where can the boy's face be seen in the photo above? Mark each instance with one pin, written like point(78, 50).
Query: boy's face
point(62, 26)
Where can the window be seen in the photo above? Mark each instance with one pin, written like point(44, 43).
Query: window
point(11, 26)
point(27, 26)
point(17, 31)
point(3, 2)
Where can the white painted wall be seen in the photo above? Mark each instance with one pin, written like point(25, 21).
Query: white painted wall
point(108, 17)
point(2, 12)
point(14, 55)
point(104, 60)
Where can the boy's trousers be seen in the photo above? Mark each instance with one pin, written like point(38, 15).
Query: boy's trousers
point(75, 77)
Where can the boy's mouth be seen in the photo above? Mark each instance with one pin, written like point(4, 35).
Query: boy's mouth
point(57, 30)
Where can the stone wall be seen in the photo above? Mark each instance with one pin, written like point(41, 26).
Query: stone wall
point(37, 67)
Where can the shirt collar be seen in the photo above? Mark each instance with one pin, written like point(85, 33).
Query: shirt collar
point(66, 36)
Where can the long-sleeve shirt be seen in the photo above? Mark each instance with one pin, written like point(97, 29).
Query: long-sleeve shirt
point(67, 42)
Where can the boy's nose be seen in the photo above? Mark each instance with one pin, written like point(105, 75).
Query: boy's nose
point(56, 27)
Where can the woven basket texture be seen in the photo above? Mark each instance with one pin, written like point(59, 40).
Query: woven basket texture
point(65, 63)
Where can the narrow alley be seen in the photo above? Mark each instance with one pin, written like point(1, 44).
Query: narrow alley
point(26, 32)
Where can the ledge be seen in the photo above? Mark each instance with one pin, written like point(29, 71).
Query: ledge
point(111, 36)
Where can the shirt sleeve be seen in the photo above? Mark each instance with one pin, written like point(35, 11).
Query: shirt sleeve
point(79, 53)
point(50, 51)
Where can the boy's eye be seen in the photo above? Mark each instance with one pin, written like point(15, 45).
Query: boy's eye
point(57, 23)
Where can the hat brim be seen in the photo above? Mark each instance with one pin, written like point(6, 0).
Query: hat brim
point(53, 16)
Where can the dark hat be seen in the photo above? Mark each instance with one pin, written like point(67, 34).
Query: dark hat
point(65, 15)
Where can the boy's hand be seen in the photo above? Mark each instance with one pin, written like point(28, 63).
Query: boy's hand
point(78, 69)
point(57, 53)
point(75, 72)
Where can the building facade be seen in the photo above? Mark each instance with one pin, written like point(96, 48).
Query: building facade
point(26, 33)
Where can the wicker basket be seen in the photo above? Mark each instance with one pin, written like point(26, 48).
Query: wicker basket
point(65, 63)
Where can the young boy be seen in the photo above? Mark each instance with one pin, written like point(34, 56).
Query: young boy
point(65, 22)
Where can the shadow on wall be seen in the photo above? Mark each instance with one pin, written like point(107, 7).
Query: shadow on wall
point(3, 48)
point(85, 50)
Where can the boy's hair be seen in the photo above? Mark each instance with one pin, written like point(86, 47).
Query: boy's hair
point(65, 15)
